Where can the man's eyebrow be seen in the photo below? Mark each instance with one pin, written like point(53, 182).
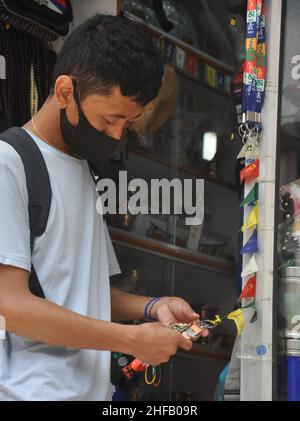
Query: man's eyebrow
point(123, 116)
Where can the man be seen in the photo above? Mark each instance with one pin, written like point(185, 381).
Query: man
point(58, 348)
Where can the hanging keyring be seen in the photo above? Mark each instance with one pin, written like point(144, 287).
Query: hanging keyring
point(157, 384)
point(258, 135)
point(147, 381)
point(243, 133)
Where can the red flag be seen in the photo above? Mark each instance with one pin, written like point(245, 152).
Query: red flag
point(251, 171)
point(191, 65)
point(249, 289)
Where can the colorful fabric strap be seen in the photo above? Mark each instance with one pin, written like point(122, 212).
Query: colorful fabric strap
point(255, 63)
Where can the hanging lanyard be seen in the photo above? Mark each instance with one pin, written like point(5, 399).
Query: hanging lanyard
point(255, 64)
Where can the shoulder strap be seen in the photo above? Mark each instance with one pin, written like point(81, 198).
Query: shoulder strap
point(38, 187)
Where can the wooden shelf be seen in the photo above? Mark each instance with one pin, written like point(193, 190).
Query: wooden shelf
point(204, 84)
point(171, 251)
point(201, 55)
point(180, 168)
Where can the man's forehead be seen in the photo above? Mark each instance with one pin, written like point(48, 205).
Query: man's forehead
point(116, 104)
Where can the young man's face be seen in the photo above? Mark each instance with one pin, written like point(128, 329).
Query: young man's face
point(110, 114)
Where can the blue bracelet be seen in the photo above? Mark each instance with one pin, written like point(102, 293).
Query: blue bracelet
point(152, 305)
point(147, 315)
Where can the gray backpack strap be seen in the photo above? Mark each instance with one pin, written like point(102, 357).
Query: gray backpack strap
point(38, 187)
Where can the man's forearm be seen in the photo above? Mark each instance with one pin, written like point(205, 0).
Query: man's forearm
point(44, 321)
point(125, 306)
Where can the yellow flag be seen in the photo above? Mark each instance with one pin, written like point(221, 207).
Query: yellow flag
point(211, 76)
point(252, 219)
point(238, 318)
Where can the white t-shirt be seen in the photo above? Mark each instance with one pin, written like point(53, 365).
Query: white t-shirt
point(73, 260)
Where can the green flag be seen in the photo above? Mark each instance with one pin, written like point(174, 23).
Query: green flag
point(251, 304)
point(252, 196)
point(254, 317)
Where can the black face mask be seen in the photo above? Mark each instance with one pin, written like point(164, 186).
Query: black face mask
point(84, 139)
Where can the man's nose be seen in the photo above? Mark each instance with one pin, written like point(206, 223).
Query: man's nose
point(116, 132)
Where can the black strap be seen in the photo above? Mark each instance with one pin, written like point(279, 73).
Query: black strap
point(161, 16)
point(38, 187)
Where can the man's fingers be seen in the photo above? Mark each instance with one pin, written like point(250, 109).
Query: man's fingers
point(190, 314)
point(165, 321)
point(185, 344)
point(204, 332)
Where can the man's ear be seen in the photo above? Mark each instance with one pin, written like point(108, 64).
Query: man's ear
point(63, 91)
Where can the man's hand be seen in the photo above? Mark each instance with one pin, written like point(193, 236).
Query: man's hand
point(155, 344)
point(174, 310)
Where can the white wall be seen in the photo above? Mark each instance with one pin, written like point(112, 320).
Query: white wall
point(84, 9)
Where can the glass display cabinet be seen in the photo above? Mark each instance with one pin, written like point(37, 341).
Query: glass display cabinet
point(160, 254)
point(288, 216)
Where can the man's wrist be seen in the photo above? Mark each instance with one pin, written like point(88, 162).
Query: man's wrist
point(149, 308)
point(159, 303)
point(129, 338)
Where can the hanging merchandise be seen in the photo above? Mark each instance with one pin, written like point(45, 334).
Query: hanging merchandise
point(251, 139)
point(250, 132)
point(34, 97)
point(249, 289)
point(211, 76)
point(26, 29)
point(168, 49)
point(251, 245)
point(250, 268)
point(191, 331)
point(251, 149)
point(180, 58)
point(251, 197)
point(255, 64)
point(254, 78)
point(29, 64)
point(238, 317)
point(254, 317)
point(249, 303)
point(136, 366)
point(156, 376)
point(45, 19)
point(252, 219)
point(248, 296)
point(191, 65)
point(250, 171)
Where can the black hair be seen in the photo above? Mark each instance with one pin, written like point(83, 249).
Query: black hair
point(108, 51)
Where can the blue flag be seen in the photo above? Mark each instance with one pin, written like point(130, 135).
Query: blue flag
point(251, 245)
